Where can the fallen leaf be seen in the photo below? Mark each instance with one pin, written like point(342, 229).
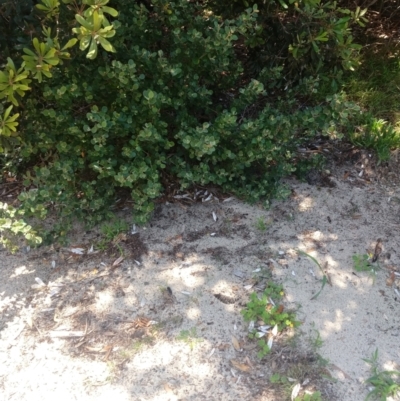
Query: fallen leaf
point(177, 237)
point(100, 348)
point(118, 261)
point(167, 388)
point(120, 237)
point(109, 349)
point(378, 250)
point(391, 279)
point(40, 282)
point(77, 251)
point(295, 391)
point(240, 366)
point(249, 362)
point(142, 322)
point(235, 343)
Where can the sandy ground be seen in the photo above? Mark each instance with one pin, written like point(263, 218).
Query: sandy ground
point(149, 326)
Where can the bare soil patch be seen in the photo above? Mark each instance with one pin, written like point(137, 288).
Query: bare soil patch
point(156, 315)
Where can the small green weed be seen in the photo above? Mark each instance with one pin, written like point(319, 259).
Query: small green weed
point(261, 273)
point(324, 276)
point(316, 342)
point(277, 378)
point(110, 231)
point(385, 383)
point(261, 225)
point(310, 397)
point(362, 263)
point(267, 309)
point(288, 385)
point(134, 347)
point(190, 337)
point(376, 134)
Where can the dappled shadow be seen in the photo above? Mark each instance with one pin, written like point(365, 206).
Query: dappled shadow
point(152, 323)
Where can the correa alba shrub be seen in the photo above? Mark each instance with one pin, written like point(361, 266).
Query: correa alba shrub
point(171, 100)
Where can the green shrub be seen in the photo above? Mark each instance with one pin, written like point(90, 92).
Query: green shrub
point(12, 227)
point(172, 101)
point(305, 37)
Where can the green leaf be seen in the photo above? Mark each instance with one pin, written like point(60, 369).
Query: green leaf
point(92, 53)
point(148, 94)
point(283, 4)
point(106, 45)
point(84, 23)
point(85, 42)
point(110, 11)
point(96, 21)
point(70, 43)
point(7, 112)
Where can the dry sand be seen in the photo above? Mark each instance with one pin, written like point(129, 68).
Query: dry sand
point(150, 327)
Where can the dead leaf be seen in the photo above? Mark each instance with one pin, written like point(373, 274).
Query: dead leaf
point(295, 391)
point(247, 359)
point(167, 387)
point(141, 322)
point(378, 250)
point(240, 366)
point(235, 343)
point(120, 237)
point(77, 251)
point(391, 279)
point(94, 349)
point(118, 261)
point(177, 237)
point(109, 349)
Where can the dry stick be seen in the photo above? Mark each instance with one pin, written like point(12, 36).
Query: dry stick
point(8, 192)
point(88, 280)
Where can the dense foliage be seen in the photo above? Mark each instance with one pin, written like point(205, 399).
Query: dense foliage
point(191, 92)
